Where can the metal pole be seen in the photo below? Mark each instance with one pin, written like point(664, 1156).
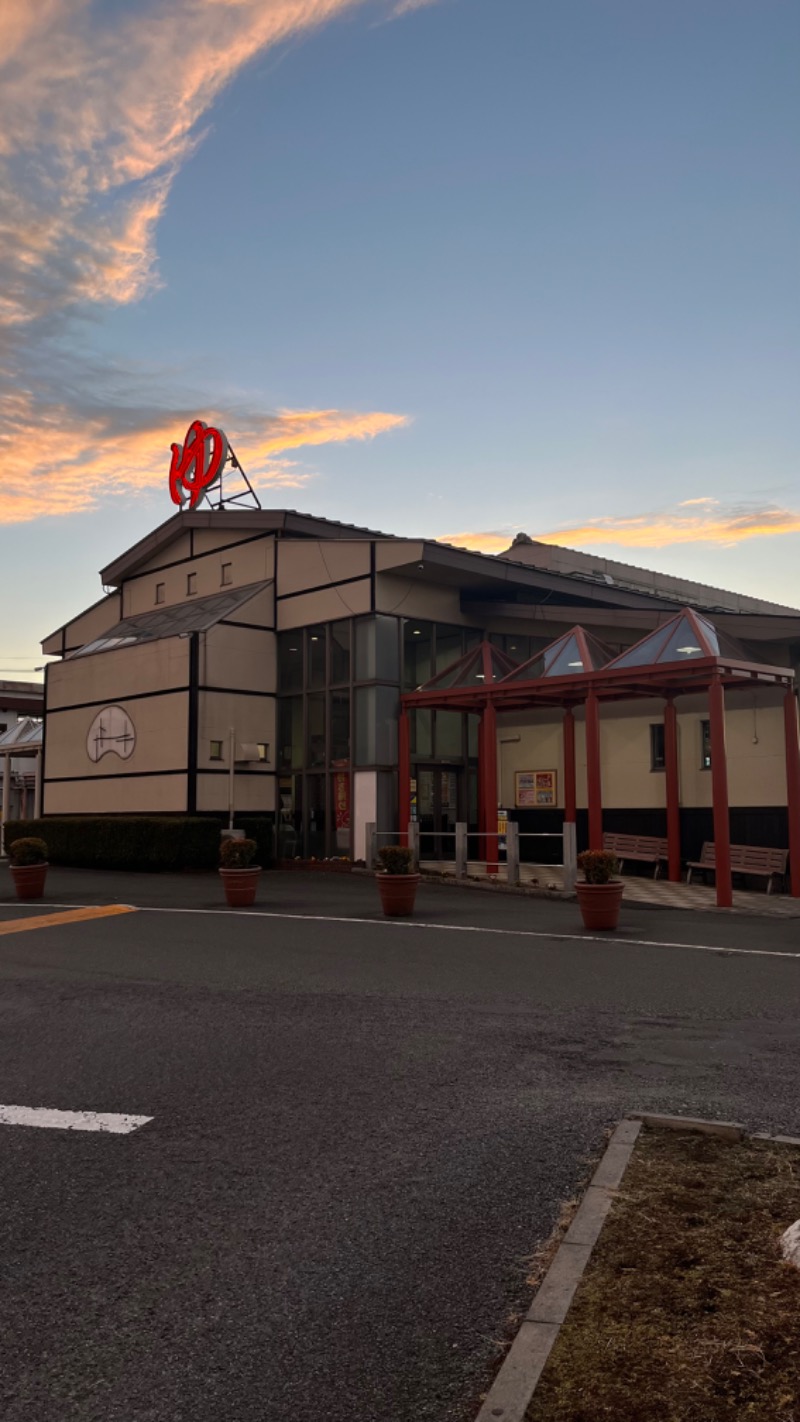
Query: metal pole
point(570, 854)
point(672, 790)
point(461, 850)
point(6, 800)
point(37, 786)
point(719, 791)
point(404, 775)
point(512, 852)
point(413, 841)
point(593, 774)
point(231, 775)
point(792, 789)
point(489, 778)
point(369, 844)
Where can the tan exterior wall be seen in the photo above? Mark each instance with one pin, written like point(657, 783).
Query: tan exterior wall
point(252, 793)
point(111, 676)
point(408, 598)
point(323, 606)
point(86, 628)
point(238, 657)
point(252, 717)
point(755, 752)
point(252, 562)
point(311, 564)
point(160, 723)
point(153, 794)
point(180, 547)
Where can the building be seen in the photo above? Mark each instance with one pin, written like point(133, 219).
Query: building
point(21, 709)
point(268, 651)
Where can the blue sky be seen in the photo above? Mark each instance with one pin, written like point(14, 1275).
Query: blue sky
point(455, 268)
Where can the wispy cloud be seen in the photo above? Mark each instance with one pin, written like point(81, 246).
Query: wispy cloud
point(404, 7)
point(99, 108)
point(710, 522)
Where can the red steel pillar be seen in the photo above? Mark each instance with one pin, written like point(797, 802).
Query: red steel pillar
point(488, 780)
point(404, 775)
point(719, 791)
point(593, 775)
point(673, 791)
point(569, 766)
point(792, 789)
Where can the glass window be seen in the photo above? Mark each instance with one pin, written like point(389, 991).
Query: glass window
point(315, 815)
point(340, 728)
point(160, 590)
point(191, 583)
point(290, 661)
point(417, 648)
point(340, 653)
point(376, 649)
point(449, 735)
point(377, 709)
point(290, 732)
point(448, 647)
point(365, 649)
point(316, 729)
point(263, 750)
point(227, 574)
point(657, 752)
point(705, 745)
point(317, 641)
point(215, 750)
point(472, 638)
point(421, 732)
point(473, 729)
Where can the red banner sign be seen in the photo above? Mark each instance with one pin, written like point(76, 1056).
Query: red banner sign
point(196, 463)
point(341, 799)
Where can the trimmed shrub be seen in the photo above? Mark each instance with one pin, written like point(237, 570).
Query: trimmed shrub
point(144, 842)
point(396, 859)
point(237, 853)
point(23, 852)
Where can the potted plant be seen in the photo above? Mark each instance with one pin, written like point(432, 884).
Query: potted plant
point(237, 871)
point(28, 865)
point(397, 882)
point(600, 894)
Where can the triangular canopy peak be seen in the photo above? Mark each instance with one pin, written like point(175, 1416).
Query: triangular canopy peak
point(685, 638)
point(573, 654)
point(483, 665)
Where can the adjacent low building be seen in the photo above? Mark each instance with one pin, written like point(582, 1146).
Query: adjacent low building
point(266, 652)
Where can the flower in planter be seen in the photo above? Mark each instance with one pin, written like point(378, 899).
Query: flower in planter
point(237, 853)
point(599, 865)
point(23, 852)
point(396, 859)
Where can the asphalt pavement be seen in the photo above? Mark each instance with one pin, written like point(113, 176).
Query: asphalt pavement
point(360, 1130)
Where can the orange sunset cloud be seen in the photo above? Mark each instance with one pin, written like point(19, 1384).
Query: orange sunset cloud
point(710, 522)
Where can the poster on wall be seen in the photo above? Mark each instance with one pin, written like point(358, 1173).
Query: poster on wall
point(341, 799)
point(535, 788)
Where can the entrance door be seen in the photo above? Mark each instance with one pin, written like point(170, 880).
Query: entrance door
point(438, 795)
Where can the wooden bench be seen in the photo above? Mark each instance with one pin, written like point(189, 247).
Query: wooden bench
point(769, 864)
point(647, 848)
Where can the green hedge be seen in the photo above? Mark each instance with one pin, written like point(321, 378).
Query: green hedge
point(150, 842)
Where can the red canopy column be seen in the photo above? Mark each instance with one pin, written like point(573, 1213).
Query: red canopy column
point(404, 775)
point(719, 791)
point(593, 775)
point(792, 789)
point(487, 776)
point(568, 726)
point(673, 791)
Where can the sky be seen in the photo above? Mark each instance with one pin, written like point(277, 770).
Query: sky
point(450, 268)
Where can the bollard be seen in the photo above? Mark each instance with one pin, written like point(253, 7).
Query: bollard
point(461, 850)
point(512, 853)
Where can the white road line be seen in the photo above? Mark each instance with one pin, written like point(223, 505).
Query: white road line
point(70, 1120)
point(477, 928)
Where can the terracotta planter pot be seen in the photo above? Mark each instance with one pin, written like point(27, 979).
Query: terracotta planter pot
point(240, 885)
point(29, 879)
point(398, 892)
point(600, 904)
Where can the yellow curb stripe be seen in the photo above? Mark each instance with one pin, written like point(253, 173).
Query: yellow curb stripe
point(51, 920)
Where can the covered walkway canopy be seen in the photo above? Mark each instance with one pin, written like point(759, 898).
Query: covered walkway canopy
point(684, 655)
point(24, 739)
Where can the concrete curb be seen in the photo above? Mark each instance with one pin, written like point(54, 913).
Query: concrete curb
point(510, 1395)
point(511, 1392)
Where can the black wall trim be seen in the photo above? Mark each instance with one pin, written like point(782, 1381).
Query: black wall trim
point(238, 691)
point(324, 587)
point(251, 626)
point(265, 774)
point(113, 775)
point(177, 562)
point(193, 721)
point(134, 696)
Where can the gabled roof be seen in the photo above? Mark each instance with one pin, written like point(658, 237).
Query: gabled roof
point(185, 617)
point(572, 654)
point(26, 735)
point(483, 665)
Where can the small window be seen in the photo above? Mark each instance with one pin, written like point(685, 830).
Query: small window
point(160, 590)
point(191, 583)
point(263, 751)
point(705, 745)
point(657, 754)
point(3, 726)
point(227, 574)
point(215, 750)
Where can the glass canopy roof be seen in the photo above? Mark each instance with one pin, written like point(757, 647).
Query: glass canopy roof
point(484, 664)
point(686, 637)
point(572, 654)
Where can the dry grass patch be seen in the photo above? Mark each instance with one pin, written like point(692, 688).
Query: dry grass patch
point(687, 1312)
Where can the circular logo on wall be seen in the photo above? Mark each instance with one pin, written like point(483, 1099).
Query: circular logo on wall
point(112, 732)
